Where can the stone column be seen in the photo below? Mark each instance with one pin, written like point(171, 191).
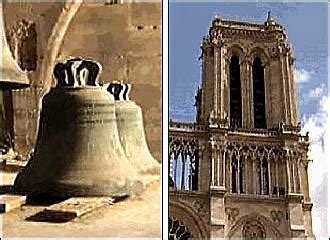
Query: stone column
point(288, 89)
point(276, 177)
point(268, 96)
point(213, 165)
point(230, 172)
point(224, 168)
point(288, 173)
point(216, 80)
point(223, 84)
point(293, 170)
point(307, 208)
point(304, 179)
point(261, 177)
point(249, 104)
point(254, 178)
point(245, 173)
point(244, 92)
point(284, 90)
point(237, 175)
point(204, 167)
point(269, 178)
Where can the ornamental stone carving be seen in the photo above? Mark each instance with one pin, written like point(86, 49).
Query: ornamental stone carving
point(276, 217)
point(232, 213)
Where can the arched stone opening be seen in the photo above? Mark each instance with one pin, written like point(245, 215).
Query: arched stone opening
point(259, 104)
point(177, 230)
point(235, 104)
point(190, 221)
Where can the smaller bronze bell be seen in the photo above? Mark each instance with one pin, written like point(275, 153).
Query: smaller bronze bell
point(131, 133)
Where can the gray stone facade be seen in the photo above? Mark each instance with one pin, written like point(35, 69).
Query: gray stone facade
point(232, 175)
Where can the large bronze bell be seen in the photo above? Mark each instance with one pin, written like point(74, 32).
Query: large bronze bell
point(78, 151)
point(131, 132)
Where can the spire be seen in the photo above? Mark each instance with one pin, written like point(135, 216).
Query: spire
point(270, 19)
point(11, 75)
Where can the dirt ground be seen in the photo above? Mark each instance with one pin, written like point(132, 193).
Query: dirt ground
point(135, 217)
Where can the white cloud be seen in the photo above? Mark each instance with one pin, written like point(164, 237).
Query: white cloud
point(317, 125)
point(302, 75)
point(317, 92)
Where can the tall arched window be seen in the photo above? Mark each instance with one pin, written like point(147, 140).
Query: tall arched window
point(235, 93)
point(241, 175)
point(265, 185)
point(259, 94)
point(234, 168)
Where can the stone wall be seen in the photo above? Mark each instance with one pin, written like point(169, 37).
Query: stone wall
point(125, 38)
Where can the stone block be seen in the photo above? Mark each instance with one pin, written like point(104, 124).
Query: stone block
point(10, 202)
point(80, 205)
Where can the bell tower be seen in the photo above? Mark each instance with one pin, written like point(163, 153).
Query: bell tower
point(248, 76)
point(240, 171)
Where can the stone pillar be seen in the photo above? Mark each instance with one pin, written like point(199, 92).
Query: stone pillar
point(204, 167)
point(223, 85)
point(284, 90)
point(307, 208)
point(276, 176)
point(230, 172)
point(269, 178)
point(261, 177)
point(238, 183)
point(224, 168)
point(293, 171)
point(254, 178)
point(216, 81)
point(288, 174)
point(304, 179)
point(244, 93)
point(288, 90)
point(268, 97)
point(212, 166)
point(245, 173)
point(217, 215)
point(249, 105)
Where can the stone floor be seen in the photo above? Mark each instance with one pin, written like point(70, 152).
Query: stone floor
point(138, 216)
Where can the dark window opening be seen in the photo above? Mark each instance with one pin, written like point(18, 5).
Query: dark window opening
point(235, 93)
point(241, 175)
point(234, 165)
point(259, 94)
point(265, 177)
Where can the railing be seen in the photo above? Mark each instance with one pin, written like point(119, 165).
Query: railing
point(180, 126)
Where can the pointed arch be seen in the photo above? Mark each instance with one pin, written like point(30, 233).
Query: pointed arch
point(190, 218)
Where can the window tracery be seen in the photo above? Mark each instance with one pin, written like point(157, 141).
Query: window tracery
point(178, 230)
point(184, 162)
point(253, 229)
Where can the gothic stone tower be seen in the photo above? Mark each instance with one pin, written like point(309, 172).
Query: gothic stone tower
point(241, 169)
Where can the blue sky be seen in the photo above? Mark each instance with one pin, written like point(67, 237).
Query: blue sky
point(307, 28)
point(306, 24)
